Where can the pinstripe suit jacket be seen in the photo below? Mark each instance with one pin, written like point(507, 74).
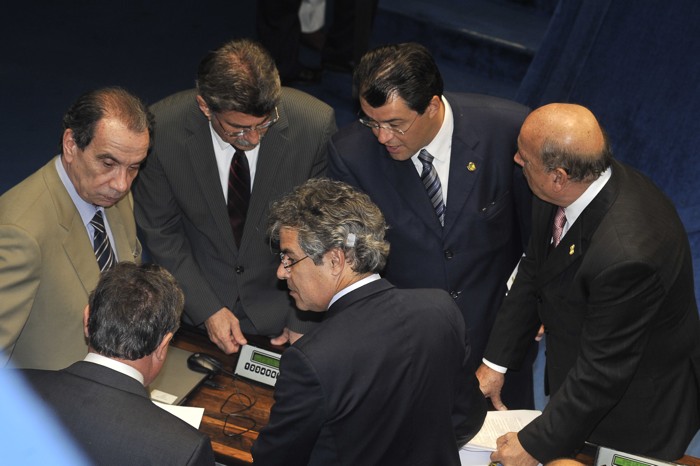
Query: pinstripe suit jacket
point(48, 268)
point(182, 216)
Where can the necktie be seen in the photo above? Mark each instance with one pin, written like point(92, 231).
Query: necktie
point(558, 226)
point(100, 242)
point(432, 184)
point(238, 193)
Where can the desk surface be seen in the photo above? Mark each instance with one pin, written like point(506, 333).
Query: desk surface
point(236, 450)
point(228, 450)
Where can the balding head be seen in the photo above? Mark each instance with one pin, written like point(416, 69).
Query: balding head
point(569, 137)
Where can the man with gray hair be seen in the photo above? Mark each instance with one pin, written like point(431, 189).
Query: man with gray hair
point(376, 383)
point(224, 152)
point(102, 400)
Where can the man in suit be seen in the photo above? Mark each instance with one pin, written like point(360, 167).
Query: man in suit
point(608, 272)
point(102, 400)
point(223, 152)
point(66, 222)
point(376, 383)
point(467, 234)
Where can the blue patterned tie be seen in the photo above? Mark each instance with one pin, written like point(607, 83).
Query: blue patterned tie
point(432, 184)
point(100, 241)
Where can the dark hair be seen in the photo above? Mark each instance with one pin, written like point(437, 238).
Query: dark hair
point(404, 70)
point(579, 167)
point(239, 76)
point(331, 214)
point(82, 117)
point(132, 309)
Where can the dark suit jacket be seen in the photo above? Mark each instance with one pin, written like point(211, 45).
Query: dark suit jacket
point(617, 301)
point(182, 216)
point(488, 210)
point(112, 418)
point(376, 384)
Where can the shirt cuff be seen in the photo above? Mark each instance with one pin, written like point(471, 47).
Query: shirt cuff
point(495, 367)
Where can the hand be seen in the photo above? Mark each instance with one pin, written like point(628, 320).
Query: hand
point(540, 333)
point(225, 331)
point(286, 336)
point(490, 384)
point(510, 452)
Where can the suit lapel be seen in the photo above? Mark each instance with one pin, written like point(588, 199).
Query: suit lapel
point(402, 175)
point(465, 167)
point(273, 148)
point(76, 242)
point(200, 150)
point(575, 242)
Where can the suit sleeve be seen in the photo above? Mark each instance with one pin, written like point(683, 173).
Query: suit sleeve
point(296, 417)
point(159, 219)
point(318, 169)
point(469, 409)
point(20, 269)
point(623, 300)
point(337, 168)
point(203, 454)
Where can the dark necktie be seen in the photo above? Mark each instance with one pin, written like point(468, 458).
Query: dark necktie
point(238, 193)
point(558, 226)
point(432, 184)
point(100, 242)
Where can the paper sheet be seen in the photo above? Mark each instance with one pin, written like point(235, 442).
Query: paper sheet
point(498, 423)
point(189, 414)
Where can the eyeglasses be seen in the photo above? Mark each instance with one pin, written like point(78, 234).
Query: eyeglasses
point(368, 122)
point(260, 128)
point(287, 263)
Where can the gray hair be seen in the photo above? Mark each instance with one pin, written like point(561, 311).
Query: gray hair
point(579, 167)
point(330, 214)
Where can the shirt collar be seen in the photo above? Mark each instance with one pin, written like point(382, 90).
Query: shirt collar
point(354, 286)
point(441, 145)
point(85, 209)
point(114, 365)
point(574, 210)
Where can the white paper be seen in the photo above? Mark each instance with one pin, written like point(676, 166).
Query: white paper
point(189, 414)
point(499, 423)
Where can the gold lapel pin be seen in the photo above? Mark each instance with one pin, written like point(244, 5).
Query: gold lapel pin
point(571, 249)
point(471, 166)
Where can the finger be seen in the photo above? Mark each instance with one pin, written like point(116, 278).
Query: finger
point(237, 335)
point(498, 403)
point(280, 340)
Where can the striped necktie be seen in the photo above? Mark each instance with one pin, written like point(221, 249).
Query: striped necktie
point(238, 193)
point(558, 226)
point(432, 184)
point(100, 242)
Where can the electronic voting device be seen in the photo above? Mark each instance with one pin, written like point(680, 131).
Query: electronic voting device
point(258, 364)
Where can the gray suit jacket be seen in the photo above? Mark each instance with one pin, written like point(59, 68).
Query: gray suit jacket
point(182, 215)
point(112, 418)
point(48, 268)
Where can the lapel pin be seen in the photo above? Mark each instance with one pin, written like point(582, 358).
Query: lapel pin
point(571, 249)
point(471, 166)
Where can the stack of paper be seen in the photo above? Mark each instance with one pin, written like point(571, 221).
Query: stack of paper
point(478, 451)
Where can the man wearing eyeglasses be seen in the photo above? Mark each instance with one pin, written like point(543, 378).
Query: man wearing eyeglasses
point(440, 167)
point(223, 153)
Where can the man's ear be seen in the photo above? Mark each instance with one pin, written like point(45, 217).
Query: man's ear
point(203, 106)
point(336, 257)
point(69, 145)
point(559, 179)
point(86, 316)
point(162, 349)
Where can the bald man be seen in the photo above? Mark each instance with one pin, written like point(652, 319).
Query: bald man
point(608, 273)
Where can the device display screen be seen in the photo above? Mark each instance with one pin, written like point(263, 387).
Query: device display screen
point(622, 461)
point(273, 362)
